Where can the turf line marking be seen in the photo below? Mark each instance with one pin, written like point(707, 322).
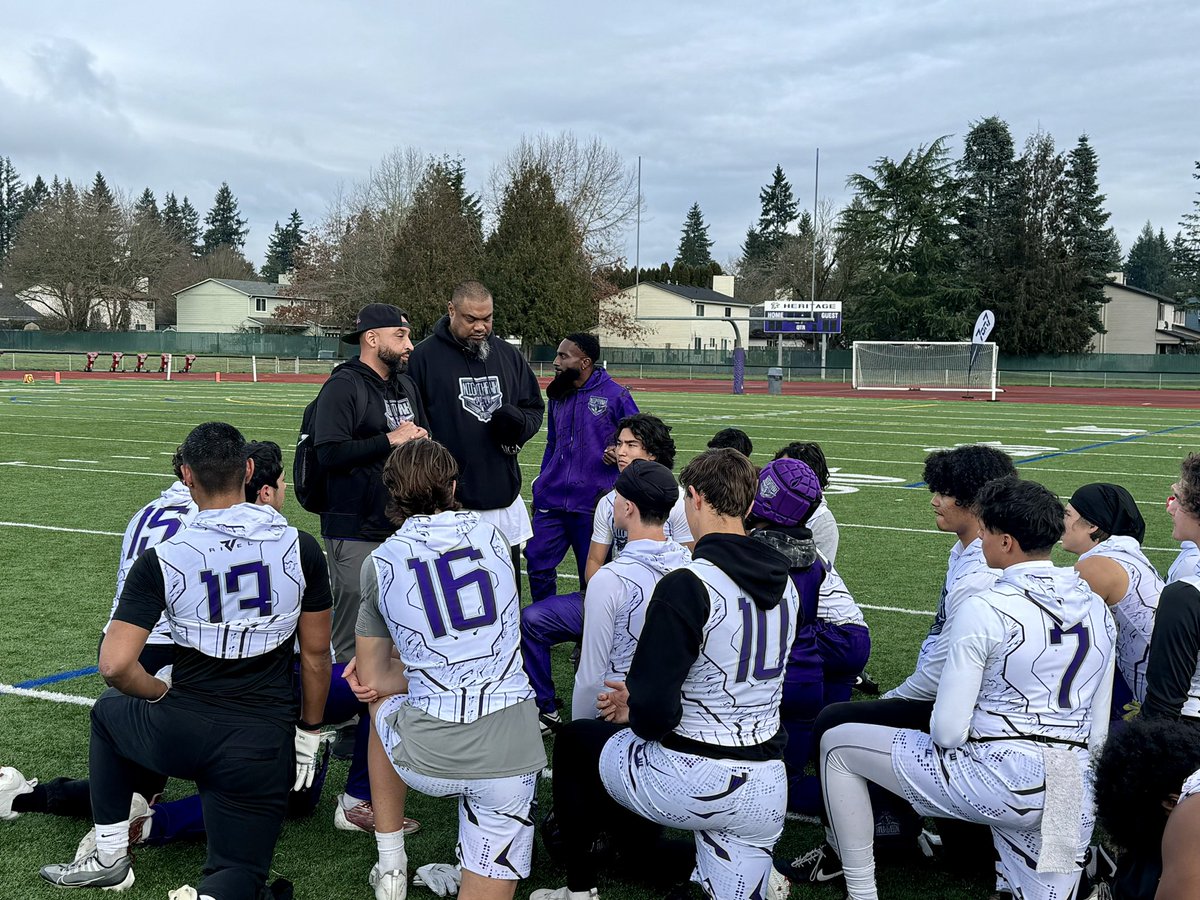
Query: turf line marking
point(56, 528)
point(25, 465)
point(53, 696)
point(60, 676)
point(1057, 453)
point(897, 609)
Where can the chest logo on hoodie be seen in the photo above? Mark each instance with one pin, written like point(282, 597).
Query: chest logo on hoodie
point(480, 396)
point(397, 412)
point(597, 406)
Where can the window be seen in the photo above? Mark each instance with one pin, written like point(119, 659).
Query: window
point(712, 342)
point(724, 343)
point(667, 346)
point(729, 312)
point(697, 343)
point(260, 304)
point(139, 327)
point(699, 309)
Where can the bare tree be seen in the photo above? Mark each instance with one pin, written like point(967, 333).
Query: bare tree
point(589, 177)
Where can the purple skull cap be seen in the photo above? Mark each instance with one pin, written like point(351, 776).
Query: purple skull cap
point(788, 490)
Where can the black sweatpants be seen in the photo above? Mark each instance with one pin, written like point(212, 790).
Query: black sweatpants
point(242, 767)
point(585, 810)
point(967, 846)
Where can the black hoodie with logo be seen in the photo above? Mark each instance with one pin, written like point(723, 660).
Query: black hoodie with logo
point(483, 411)
point(673, 636)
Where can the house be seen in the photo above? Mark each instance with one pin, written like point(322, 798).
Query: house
point(101, 312)
point(676, 316)
point(16, 314)
point(226, 305)
point(1138, 321)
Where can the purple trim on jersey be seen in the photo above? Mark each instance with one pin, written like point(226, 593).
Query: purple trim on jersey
point(579, 428)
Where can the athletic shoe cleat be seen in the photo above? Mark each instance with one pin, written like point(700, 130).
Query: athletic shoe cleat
point(818, 866)
point(865, 684)
point(778, 887)
point(564, 893)
point(360, 816)
point(89, 872)
point(139, 827)
point(549, 722)
point(391, 885)
point(12, 785)
point(187, 892)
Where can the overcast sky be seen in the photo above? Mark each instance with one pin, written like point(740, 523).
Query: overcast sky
point(287, 100)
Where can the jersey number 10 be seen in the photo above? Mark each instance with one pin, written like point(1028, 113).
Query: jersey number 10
point(450, 588)
point(756, 639)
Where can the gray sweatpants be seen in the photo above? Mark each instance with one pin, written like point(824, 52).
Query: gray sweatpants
point(345, 568)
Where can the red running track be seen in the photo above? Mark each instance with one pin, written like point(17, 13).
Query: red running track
point(1161, 399)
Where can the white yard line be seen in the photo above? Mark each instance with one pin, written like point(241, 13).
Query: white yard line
point(57, 528)
point(53, 696)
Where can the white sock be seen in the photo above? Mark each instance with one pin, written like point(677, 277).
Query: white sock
point(112, 841)
point(391, 851)
point(345, 801)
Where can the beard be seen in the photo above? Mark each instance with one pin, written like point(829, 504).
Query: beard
point(562, 384)
point(478, 349)
point(396, 362)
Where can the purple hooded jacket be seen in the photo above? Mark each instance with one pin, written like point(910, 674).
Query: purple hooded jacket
point(579, 428)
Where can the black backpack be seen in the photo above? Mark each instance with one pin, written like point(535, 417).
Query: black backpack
point(309, 480)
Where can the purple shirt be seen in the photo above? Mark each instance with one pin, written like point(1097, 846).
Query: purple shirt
point(579, 429)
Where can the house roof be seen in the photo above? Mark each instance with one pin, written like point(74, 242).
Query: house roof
point(1136, 290)
point(15, 310)
point(696, 294)
point(1180, 333)
point(249, 288)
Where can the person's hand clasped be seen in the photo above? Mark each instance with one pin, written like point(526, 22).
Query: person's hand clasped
point(405, 432)
point(614, 704)
point(360, 690)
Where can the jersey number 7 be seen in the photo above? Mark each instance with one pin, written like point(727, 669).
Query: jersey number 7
point(1081, 649)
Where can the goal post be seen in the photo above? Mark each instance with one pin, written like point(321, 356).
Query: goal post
point(925, 366)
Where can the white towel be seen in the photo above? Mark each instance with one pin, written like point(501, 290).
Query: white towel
point(1061, 810)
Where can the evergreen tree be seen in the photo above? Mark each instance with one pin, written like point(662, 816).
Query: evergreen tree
point(100, 194)
point(226, 228)
point(779, 209)
point(987, 208)
point(535, 264)
point(694, 244)
point(1149, 264)
point(454, 171)
point(172, 217)
point(35, 196)
point(189, 219)
point(146, 209)
point(1187, 250)
point(285, 242)
point(11, 207)
point(1093, 245)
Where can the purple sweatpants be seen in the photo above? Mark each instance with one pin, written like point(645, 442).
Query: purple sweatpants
point(544, 624)
point(554, 532)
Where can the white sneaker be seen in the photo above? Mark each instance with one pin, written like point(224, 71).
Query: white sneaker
point(187, 892)
point(139, 815)
point(360, 816)
point(89, 872)
point(778, 887)
point(12, 785)
point(391, 885)
point(564, 893)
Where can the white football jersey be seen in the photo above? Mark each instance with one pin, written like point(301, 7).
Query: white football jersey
point(153, 523)
point(233, 581)
point(731, 695)
point(449, 597)
point(605, 530)
point(835, 604)
point(967, 574)
point(1191, 786)
point(825, 533)
point(614, 613)
point(1135, 611)
point(1186, 564)
point(1045, 643)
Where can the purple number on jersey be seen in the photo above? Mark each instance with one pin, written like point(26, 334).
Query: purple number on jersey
point(754, 641)
point(233, 584)
point(1085, 642)
point(451, 587)
point(167, 518)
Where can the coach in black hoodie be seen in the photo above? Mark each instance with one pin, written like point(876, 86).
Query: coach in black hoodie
point(483, 403)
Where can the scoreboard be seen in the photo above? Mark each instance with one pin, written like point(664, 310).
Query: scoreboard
point(802, 317)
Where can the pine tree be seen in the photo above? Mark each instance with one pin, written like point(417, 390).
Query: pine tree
point(189, 219)
point(987, 209)
point(285, 242)
point(226, 228)
point(146, 209)
point(694, 244)
point(11, 193)
point(1149, 264)
point(35, 196)
point(100, 194)
point(535, 264)
point(1092, 243)
point(172, 217)
point(1187, 249)
point(779, 209)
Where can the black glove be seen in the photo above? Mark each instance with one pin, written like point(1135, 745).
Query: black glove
point(506, 425)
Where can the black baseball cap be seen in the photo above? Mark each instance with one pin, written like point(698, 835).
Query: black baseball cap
point(376, 315)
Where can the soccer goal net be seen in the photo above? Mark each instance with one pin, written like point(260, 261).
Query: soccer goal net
point(924, 366)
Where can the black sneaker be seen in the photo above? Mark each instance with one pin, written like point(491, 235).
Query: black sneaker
point(549, 722)
point(820, 865)
point(865, 684)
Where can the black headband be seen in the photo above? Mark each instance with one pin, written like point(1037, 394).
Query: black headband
point(1111, 509)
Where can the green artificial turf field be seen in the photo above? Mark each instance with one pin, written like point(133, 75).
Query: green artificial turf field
point(77, 460)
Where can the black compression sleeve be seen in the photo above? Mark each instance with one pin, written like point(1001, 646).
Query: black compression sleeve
point(144, 596)
point(668, 646)
point(1174, 651)
point(316, 575)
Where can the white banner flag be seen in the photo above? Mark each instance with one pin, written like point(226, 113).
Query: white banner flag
point(983, 326)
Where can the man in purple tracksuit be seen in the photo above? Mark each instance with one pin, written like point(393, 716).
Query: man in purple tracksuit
point(579, 465)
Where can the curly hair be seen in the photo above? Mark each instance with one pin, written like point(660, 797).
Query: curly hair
point(961, 472)
point(809, 452)
point(655, 435)
point(1024, 509)
point(1141, 765)
point(1188, 495)
point(420, 477)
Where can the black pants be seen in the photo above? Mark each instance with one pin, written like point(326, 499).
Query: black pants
point(242, 767)
point(967, 846)
point(585, 810)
